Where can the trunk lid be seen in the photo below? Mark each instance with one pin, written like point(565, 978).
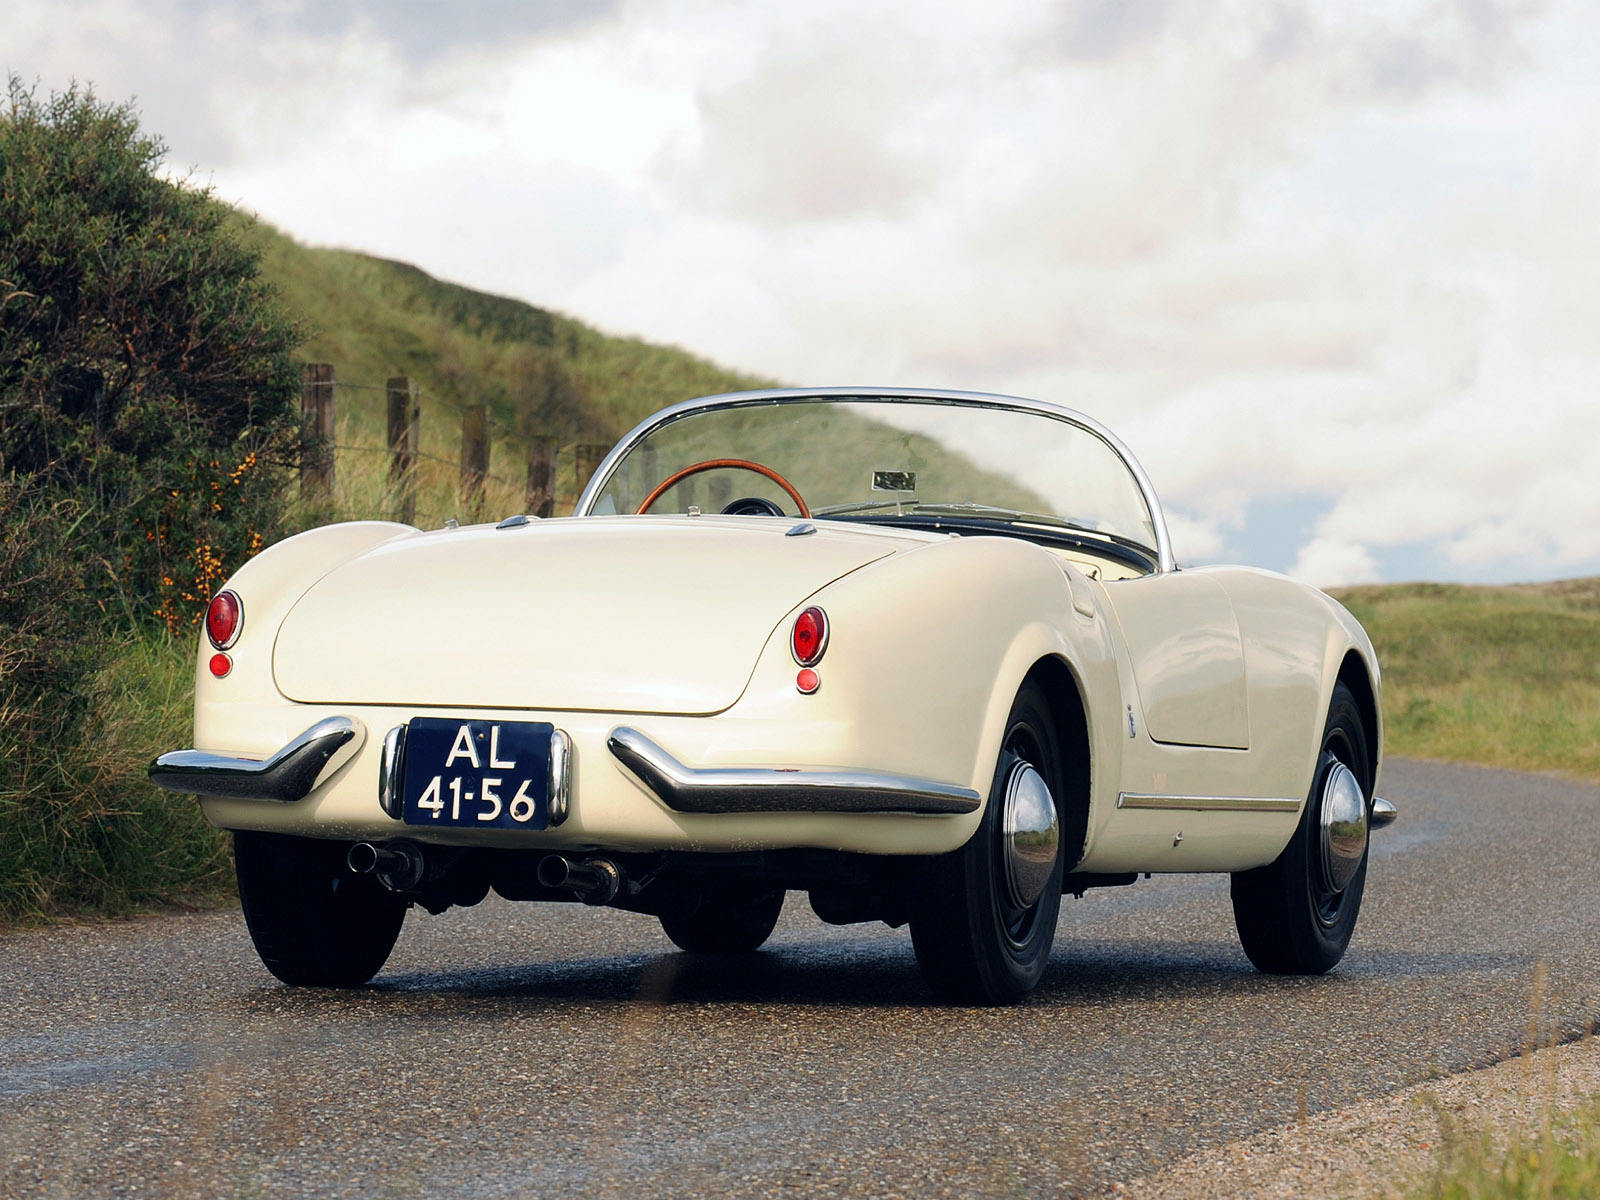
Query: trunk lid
point(650, 614)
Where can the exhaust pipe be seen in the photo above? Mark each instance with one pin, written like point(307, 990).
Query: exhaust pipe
point(399, 866)
point(596, 880)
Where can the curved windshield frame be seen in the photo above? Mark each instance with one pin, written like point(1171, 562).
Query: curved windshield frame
point(944, 460)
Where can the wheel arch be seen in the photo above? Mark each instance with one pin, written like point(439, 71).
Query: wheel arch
point(1064, 692)
point(1354, 674)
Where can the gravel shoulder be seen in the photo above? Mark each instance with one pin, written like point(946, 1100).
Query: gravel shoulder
point(1380, 1147)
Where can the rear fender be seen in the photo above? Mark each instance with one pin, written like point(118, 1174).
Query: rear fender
point(268, 586)
point(926, 652)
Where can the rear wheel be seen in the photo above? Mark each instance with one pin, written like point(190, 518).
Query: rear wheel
point(983, 918)
point(314, 922)
point(1296, 914)
point(726, 921)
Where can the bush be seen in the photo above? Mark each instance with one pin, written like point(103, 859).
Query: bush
point(146, 369)
point(147, 420)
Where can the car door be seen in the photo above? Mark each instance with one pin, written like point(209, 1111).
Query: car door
point(1187, 657)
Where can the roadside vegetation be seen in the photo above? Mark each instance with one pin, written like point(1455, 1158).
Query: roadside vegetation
point(148, 387)
point(537, 370)
point(1558, 1160)
point(1500, 676)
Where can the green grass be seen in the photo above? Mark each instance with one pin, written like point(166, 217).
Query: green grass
point(1558, 1160)
point(373, 318)
point(1501, 676)
point(538, 372)
point(83, 829)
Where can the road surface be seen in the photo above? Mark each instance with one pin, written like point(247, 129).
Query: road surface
point(544, 1050)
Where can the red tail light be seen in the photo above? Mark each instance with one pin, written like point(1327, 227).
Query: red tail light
point(223, 618)
point(809, 639)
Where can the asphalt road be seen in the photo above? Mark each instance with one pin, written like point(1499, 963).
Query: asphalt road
point(543, 1050)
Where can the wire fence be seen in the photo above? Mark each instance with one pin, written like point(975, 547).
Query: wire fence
point(393, 452)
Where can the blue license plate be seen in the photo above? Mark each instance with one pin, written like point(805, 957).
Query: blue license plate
point(477, 774)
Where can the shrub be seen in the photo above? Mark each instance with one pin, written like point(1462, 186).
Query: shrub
point(146, 369)
point(147, 419)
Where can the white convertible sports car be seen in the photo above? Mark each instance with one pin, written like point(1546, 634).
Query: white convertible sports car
point(923, 655)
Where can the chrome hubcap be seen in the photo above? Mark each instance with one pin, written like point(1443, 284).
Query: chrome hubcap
point(1344, 827)
point(1032, 834)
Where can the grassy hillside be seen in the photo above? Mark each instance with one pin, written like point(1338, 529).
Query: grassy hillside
point(373, 318)
point(538, 372)
point(1504, 676)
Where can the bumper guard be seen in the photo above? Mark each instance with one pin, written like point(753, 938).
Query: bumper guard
point(287, 776)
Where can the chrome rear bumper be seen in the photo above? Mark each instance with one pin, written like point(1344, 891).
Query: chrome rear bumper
point(780, 790)
point(287, 776)
point(1383, 813)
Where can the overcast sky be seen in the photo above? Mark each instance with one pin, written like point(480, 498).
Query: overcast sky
point(1332, 269)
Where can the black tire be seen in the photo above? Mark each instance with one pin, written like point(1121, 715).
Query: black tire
point(314, 922)
point(1289, 920)
point(972, 944)
point(726, 921)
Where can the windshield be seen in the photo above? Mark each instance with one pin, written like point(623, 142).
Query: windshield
point(888, 460)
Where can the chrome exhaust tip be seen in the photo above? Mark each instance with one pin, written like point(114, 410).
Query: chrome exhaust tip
point(399, 866)
point(595, 880)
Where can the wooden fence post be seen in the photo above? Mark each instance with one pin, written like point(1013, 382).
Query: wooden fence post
point(474, 452)
point(586, 457)
point(316, 450)
point(541, 493)
point(405, 413)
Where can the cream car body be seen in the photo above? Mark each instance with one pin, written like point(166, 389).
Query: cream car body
point(1197, 696)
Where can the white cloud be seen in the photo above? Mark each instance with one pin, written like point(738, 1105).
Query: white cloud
point(1286, 248)
point(1327, 563)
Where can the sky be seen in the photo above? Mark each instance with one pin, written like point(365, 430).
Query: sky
point(1331, 268)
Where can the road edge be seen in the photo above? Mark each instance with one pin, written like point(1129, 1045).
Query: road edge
point(1380, 1147)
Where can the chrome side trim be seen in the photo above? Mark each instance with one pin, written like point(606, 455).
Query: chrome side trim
point(289, 775)
point(1383, 813)
point(776, 789)
point(602, 474)
point(1207, 803)
point(392, 772)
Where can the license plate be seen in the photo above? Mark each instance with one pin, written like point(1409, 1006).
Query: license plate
point(477, 774)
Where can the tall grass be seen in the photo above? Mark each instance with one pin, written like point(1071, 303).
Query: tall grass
point(1501, 676)
point(538, 371)
point(1558, 1158)
point(364, 490)
point(1540, 1147)
point(84, 830)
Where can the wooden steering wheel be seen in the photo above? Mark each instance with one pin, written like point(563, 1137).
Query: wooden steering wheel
point(711, 464)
